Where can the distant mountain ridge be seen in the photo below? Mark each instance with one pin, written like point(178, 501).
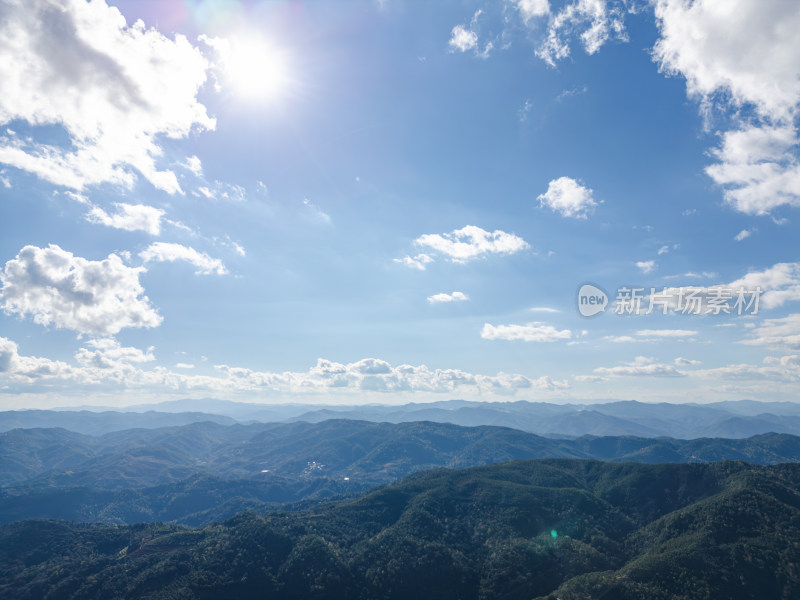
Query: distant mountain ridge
point(734, 419)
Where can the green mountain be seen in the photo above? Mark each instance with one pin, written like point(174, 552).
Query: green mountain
point(567, 529)
point(202, 472)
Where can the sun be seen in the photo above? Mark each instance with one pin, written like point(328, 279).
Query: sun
point(255, 69)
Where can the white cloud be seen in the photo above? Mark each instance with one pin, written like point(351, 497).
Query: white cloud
point(462, 39)
point(79, 198)
point(375, 375)
point(95, 297)
point(594, 21)
point(621, 339)
point(418, 262)
point(531, 332)
point(784, 368)
point(27, 368)
point(748, 295)
point(568, 197)
point(781, 333)
point(779, 284)
point(531, 9)
point(130, 217)
point(108, 353)
point(105, 364)
point(544, 309)
point(472, 242)
point(219, 190)
point(169, 252)
point(758, 166)
point(687, 362)
point(115, 90)
point(743, 235)
point(758, 169)
point(589, 378)
point(641, 366)
point(663, 250)
point(193, 164)
point(454, 297)
point(670, 333)
point(646, 266)
point(703, 42)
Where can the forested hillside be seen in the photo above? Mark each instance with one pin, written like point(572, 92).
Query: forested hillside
point(202, 472)
point(566, 529)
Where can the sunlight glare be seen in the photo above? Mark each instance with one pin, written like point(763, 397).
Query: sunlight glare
point(256, 69)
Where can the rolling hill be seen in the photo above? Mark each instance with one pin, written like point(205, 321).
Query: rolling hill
point(201, 472)
point(544, 529)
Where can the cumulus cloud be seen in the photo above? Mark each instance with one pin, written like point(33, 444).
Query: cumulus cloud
point(702, 41)
point(462, 39)
point(743, 235)
point(779, 284)
point(472, 242)
point(758, 165)
point(417, 262)
point(568, 197)
point(758, 168)
point(781, 333)
point(170, 252)
point(594, 22)
point(108, 353)
point(193, 164)
point(778, 369)
point(443, 297)
point(530, 332)
point(532, 9)
point(130, 217)
point(379, 376)
point(54, 287)
point(103, 363)
point(114, 89)
point(27, 368)
point(646, 266)
point(767, 289)
point(641, 366)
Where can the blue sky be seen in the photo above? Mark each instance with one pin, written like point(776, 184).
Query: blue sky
point(395, 201)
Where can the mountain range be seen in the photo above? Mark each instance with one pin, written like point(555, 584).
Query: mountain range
point(546, 529)
point(734, 419)
point(201, 472)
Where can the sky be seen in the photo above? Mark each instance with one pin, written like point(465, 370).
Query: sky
point(398, 201)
